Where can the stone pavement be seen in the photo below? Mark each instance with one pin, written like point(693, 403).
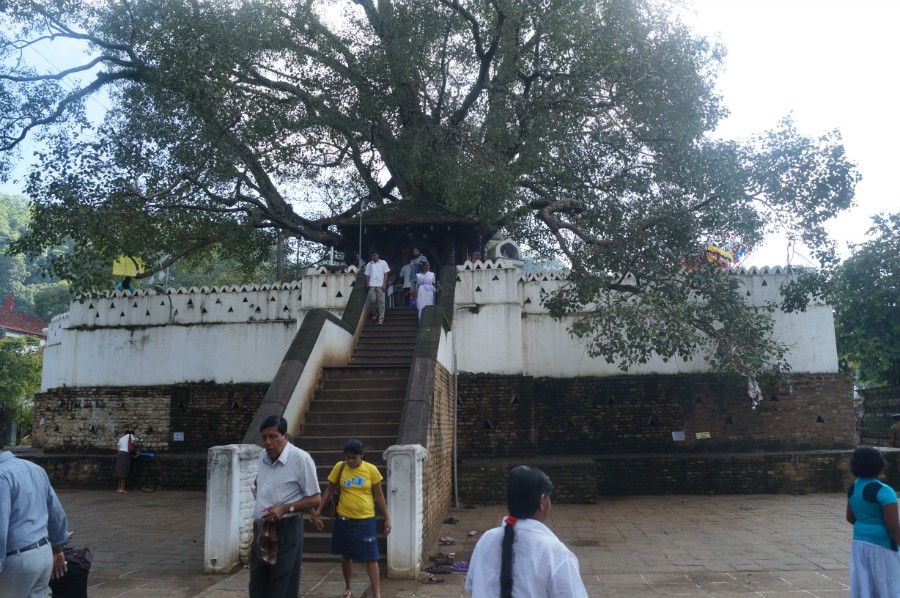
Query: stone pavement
point(772, 546)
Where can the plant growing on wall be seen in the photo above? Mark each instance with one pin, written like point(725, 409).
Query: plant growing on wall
point(580, 127)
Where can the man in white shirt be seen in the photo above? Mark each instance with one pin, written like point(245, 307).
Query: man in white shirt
point(286, 486)
point(376, 282)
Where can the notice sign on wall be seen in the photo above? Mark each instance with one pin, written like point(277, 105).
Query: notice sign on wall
point(678, 436)
point(178, 436)
point(702, 435)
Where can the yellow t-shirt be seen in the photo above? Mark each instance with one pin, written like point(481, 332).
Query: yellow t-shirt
point(357, 501)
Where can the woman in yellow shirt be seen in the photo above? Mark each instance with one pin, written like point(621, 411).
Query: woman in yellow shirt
point(353, 535)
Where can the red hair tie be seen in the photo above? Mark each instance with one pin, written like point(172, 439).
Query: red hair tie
point(510, 520)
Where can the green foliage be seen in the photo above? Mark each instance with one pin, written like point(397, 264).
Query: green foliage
point(581, 127)
point(20, 378)
point(866, 300)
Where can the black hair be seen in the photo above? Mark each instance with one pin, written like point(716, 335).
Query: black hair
point(126, 281)
point(129, 431)
point(524, 490)
point(867, 462)
point(354, 447)
point(274, 421)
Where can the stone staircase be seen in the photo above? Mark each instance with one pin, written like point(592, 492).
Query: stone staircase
point(362, 400)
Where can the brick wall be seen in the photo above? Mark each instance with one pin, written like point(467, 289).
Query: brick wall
point(581, 480)
point(437, 469)
point(503, 416)
point(878, 405)
point(163, 472)
point(89, 420)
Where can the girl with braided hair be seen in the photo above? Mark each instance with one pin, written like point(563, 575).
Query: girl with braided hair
point(523, 558)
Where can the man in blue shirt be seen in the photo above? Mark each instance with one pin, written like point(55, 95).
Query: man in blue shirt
point(33, 529)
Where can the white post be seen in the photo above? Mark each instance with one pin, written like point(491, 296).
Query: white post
point(405, 501)
point(228, 505)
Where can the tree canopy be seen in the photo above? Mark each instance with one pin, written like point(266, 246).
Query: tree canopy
point(20, 378)
point(866, 301)
point(581, 128)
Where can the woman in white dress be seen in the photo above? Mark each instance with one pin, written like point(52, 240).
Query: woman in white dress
point(426, 288)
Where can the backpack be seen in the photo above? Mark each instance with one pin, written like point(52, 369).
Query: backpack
point(132, 446)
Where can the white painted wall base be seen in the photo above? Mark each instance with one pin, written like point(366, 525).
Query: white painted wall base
point(231, 470)
point(405, 501)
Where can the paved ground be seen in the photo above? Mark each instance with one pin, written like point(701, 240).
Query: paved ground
point(772, 546)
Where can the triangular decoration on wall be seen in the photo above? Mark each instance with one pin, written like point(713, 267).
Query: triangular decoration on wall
point(820, 419)
point(495, 277)
point(97, 315)
point(176, 313)
point(272, 298)
point(339, 294)
point(230, 310)
point(203, 310)
point(218, 301)
point(122, 314)
point(729, 421)
point(148, 313)
point(352, 283)
point(258, 310)
point(162, 302)
point(112, 305)
point(135, 304)
point(458, 279)
point(91, 306)
point(527, 301)
point(477, 289)
point(190, 303)
point(650, 421)
point(515, 400)
point(748, 293)
point(285, 308)
point(764, 283)
point(324, 284)
point(245, 300)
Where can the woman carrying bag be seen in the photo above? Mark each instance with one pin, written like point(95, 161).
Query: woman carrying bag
point(357, 486)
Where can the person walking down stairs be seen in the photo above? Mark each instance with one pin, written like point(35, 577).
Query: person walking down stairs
point(377, 272)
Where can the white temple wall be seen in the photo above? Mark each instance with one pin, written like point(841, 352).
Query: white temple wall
point(498, 330)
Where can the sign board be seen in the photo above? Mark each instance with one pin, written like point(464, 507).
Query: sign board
point(178, 436)
point(702, 435)
point(678, 436)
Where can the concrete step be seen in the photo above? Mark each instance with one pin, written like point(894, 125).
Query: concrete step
point(356, 372)
point(372, 394)
point(353, 429)
point(337, 417)
point(365, 383)
point(373, 444)
point(393, 351)
point(380, 361)
point(349, 406)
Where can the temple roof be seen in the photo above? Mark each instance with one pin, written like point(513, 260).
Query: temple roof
point(21, 323)
point(407, 212)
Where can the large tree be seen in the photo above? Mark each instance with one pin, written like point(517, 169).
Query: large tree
point(20, 378)
point(580, 127)
point(866, 301)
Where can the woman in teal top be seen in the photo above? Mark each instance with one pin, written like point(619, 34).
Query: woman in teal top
point(872, 509)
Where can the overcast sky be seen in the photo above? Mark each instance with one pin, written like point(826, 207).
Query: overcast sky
point(829, 62)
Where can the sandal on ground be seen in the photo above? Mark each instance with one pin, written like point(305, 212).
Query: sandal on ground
point(447, 541)
point(451, 520)
point(431, 579)
point(347, 594)
point(460, 566)
point(441, 569)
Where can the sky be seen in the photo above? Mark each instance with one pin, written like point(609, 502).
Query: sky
point(829, 63)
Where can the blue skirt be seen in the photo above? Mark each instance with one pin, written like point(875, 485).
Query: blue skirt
point(355, 539)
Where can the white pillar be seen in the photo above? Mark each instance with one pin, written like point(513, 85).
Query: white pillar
point(405, 501)
point(230, 470)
